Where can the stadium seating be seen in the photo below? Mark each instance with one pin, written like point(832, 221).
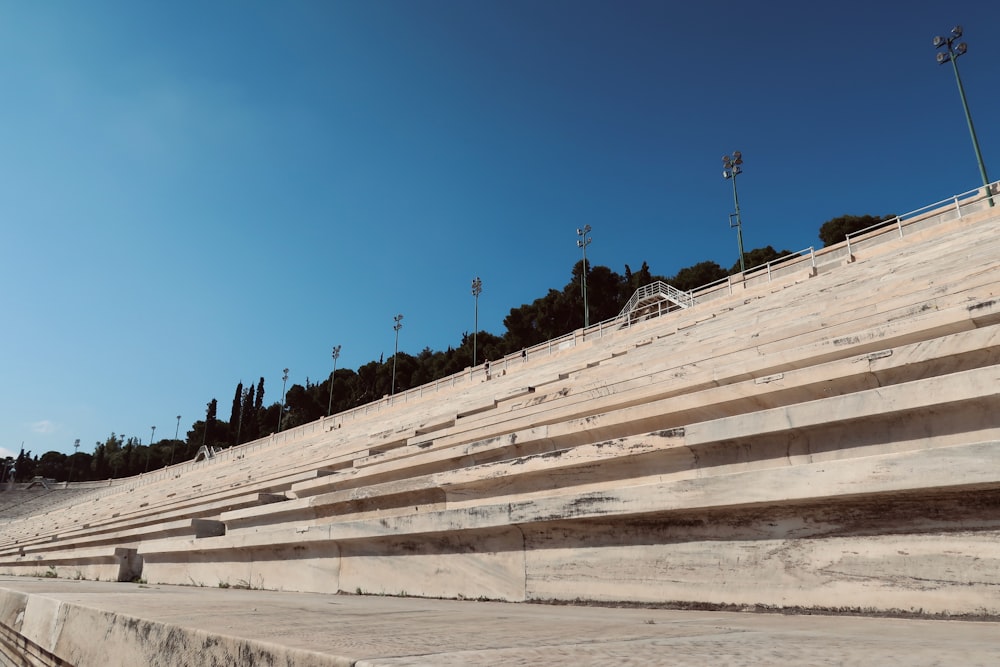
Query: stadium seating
point(823, 433)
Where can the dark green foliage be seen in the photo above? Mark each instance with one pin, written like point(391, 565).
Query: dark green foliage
point(25, 466)
point(215, 433)
point(606, 293)
point(554, 315)
point(248, 427)
point(301, 406)
point(836, 230)
point(52, 465)
point(758, 257)
point(637, 280)
point(236, 415)
point(99, 466)
point(126, 460)
point(106, 456)
point(698, 275)
point(268, 419)
point(115, 457)
point(79, 466)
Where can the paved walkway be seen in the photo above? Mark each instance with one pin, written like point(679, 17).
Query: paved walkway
point(368, 631)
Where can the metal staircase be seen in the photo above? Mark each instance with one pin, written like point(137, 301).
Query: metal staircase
point(652, 300)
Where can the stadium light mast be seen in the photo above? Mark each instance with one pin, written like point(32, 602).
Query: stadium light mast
point(583, 242)
point(281, 412)
point(951, 53)
point(336, 355)
point(398, 319)
point(477, 289)
point(149, 452)
point(173, 446)
point(731, 166)
point(72, 463)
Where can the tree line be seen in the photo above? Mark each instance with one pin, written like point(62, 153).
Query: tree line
point(556, 313)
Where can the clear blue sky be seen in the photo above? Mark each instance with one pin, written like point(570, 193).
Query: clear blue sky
point(195, 193)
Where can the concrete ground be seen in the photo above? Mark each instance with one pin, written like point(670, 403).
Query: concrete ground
point(186, 625)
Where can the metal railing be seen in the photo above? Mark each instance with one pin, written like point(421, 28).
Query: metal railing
point(657, 289)
point(939, 212)
point(970, 201)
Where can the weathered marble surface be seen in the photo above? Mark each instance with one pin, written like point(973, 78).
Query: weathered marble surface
point(827, 440)
point(123, 625)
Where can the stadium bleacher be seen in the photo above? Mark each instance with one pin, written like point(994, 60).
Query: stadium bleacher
point(822, 435)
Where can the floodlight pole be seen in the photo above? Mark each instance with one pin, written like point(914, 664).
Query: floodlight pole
point(583, 242)
point(72, 463)
point(281, 411)
point(173, 447)
point(398, 319)
point(336, 354)
point(952, 52)
point(732, 167)
point(149, 452)
point(477, 289)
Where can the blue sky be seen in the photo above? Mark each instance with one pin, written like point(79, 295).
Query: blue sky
point(194, 194)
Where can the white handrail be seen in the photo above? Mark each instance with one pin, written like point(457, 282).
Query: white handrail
point(941, 211)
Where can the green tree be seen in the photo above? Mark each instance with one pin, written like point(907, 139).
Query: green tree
point(53, 465)
point(259, 400)
point(607, 292)
point(759, 257)
point(268, 418)
point(21, 466)
point(698, 275)
point(79, 467)
point(210, 436)
point(339, 380)
point(248, 425)
point(26, 466)
point(836, 230)
point(406, 366)
point(124, 463)
point(195, 437)
point(634, 281)
point(99, 466)
point(171, 451)
point(236, 415)
point(258, 411)
point(301, 407)
point(106, 456)
point(347, 391)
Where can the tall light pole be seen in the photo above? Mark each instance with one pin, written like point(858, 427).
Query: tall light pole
point(951, 53)
point(731, 166)
point(336, 354)
point(398, 319)
point(149, 452)
point(72, 463)
point(173, 447)
point(477, 289)
point(583, 242)
point(281, 411)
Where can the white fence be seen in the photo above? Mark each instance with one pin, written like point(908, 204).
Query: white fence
point(807, 259)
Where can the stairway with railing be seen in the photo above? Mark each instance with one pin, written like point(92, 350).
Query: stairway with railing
point(785, 442)
point(654, 299)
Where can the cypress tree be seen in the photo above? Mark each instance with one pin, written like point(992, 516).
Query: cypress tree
point(258, 407)
point(259, 401)
point(236, 416)
point(209, 421)
point(248, 429)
